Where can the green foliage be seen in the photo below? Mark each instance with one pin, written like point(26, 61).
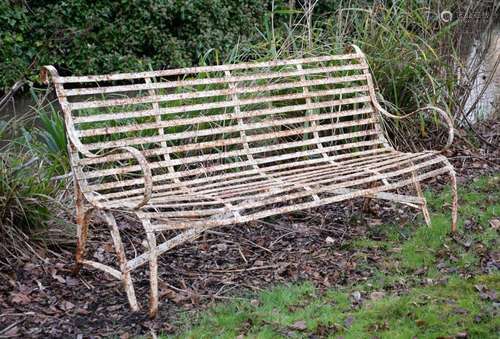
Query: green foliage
point(16, 53)
point(427, 312)
point(23, 194)
point(404, 40)
point(409, 49)
point(52, 132)
point(479, 201)
point(29, 196)
point(49, 136)
point(108, 36)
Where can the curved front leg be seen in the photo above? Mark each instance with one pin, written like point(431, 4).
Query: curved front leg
point(122, 260)
point(82, 227)
point(153, 268)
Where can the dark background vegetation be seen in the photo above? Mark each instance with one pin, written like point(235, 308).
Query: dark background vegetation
point(102, 36)
point(86, 37)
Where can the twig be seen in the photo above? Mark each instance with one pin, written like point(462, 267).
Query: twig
point(216, 233)
point(478, 135)
point(261, 247)
point(5, 330)
point(18, 85)
point(220, 297)
point(281, 237)
point(242, 255)
point(59, 177)
point(201, 295)
point(476, 157)
point(16, 314)
point(244, 269)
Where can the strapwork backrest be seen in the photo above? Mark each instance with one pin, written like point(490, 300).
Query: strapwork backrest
point(202, 120)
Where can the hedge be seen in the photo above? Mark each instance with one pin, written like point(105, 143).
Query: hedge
point(102, 36)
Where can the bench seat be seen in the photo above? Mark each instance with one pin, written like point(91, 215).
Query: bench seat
point(253, 194)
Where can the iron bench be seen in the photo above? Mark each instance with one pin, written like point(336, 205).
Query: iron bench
point(186, 150)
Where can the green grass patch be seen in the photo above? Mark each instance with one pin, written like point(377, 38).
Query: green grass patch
point(429, 284)
point(479, 202)
point(299, 311)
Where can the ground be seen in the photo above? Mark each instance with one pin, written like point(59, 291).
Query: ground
point(334, 271)
point(421, 283)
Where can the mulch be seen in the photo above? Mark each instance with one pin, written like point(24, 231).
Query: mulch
point(39, 296)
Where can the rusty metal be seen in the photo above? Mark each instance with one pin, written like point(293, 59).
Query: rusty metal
point(82, 222)
point(228, 144)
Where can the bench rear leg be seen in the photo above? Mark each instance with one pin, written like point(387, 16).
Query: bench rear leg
point(122, 260)
point(420, 194)
point(454, 202)
point(367, 200)
point(454, 194)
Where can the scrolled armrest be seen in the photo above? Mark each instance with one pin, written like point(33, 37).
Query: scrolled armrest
point(48, 73)
point(442, 113)
point(146, 171)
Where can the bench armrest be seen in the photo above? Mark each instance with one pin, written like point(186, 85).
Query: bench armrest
point(146, 171)
point(48, 72)
point(445, 117)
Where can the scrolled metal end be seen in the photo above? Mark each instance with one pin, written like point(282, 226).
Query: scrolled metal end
point(47, 72)
point(356, 49)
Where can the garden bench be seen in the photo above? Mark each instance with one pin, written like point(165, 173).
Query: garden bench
point(186, 150)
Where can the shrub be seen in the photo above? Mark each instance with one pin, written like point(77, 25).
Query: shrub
point(106, 36)
point(31, 200)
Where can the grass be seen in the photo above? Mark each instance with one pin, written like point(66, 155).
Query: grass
point(446, 293)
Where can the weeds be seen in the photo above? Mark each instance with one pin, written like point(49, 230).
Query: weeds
point(409, 49)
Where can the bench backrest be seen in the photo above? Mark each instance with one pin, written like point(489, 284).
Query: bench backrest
point(202, 120)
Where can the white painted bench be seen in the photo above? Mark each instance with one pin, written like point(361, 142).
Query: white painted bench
point(185, 150)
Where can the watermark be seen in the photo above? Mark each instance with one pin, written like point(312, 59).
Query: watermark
point(472, 16)
point(446, 16)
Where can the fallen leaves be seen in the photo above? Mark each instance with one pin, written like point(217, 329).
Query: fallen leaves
point(485, 293)
point(420, 322)
point(20, 298)
point(495, 223)
point(329, 240)
point(348, 321)
point(313, 246)
point(299, 325)
point(356, 296)
point(66, 305)
point(377, 295)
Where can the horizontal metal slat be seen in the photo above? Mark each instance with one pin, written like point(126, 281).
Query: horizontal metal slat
point(214, 117)
point(188, 70)
point(208, 81)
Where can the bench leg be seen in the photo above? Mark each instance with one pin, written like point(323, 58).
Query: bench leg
point(153, 274)
point(120, 252)
point(454, 203)
point(82, 228)
point(454, 195)
point(367, 200)
point(423, 206)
